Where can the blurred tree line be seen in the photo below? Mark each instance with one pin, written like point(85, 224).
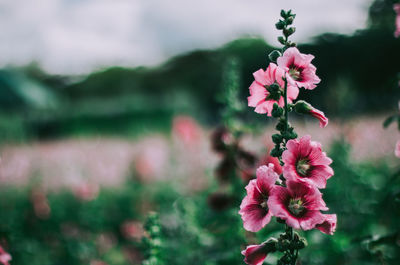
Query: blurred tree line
point(358, 72)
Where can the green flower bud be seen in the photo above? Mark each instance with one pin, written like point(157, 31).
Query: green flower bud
point(300, 244)
point(289, 20)
point(270, 245)
point(284, 14)
point(281, 125)
point(280, 25)
point(276, 152)
point(276, 111)
point(281, 40)
point(302, 107)
point(288, 31)
point(274, 55)
point(277, 138)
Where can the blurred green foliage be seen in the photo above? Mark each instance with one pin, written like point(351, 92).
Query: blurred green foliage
point(358, 71)
point(364, 195)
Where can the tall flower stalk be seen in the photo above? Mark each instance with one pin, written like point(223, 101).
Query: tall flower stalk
point(293, 197)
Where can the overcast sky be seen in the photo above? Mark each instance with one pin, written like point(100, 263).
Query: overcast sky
point(79, 36)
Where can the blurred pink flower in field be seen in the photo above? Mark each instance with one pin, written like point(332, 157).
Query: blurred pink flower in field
point(260, 96)
point(305, 162)
point(40, 203)
point(255, 254)
point(254, 208)
point(132, 230)
point(299, 204)
point(298, 65)
point(329, 225)
point(86, 191)
point(151, 160)
point(97, 262)
point(396, 8)
point(187, 130)
point(4, 256)
point(397, 149)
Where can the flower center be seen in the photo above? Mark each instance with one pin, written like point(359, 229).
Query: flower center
point(264, 205)
point(294, 73)
point(303, 167)
point(296, 207)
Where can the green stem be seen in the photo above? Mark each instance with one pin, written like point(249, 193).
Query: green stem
point(289, 229)
point(286, 108)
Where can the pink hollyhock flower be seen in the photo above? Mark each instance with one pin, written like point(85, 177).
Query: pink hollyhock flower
point(299, 204)
point(298, 65)
point(261, 98)
point(255, 254)
point(397, 150)
point(329, 225)
point(4, 257)
point(305, 162)
point(396, 8)
point(254, 208)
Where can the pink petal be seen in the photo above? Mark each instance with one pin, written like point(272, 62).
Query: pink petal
point(266, 178)
point(311, 219)
point(397, 149)
point(265, 107)
point(257, 94)
point(329, 224)
point(254, 254)
point(260, 77)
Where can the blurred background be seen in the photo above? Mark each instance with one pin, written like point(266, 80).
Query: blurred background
point(113, 110)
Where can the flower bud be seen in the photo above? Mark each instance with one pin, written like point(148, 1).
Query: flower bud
point(274, 55)
point(281, 125)
point(289, 20)
point(276, 111)
point(277, 138)
point(280, 25)
point(276, 151)
point(281, 40)
point(303, 107)
point(255, 254)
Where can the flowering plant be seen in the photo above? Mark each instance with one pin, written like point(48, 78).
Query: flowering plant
point(294, 196)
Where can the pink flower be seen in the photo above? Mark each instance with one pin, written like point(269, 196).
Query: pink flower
point(4, 257)
point(299, 204)
point(323, 121)
point(329, 225)
point(187, 130)
point(132, 230)
point(298, 65)
point(255, 254)
point(254, 208)
point(305, 162)
point(261, 98)
point(396, 8)
point(397, 149)
point(86, 191)
point(305, 108)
